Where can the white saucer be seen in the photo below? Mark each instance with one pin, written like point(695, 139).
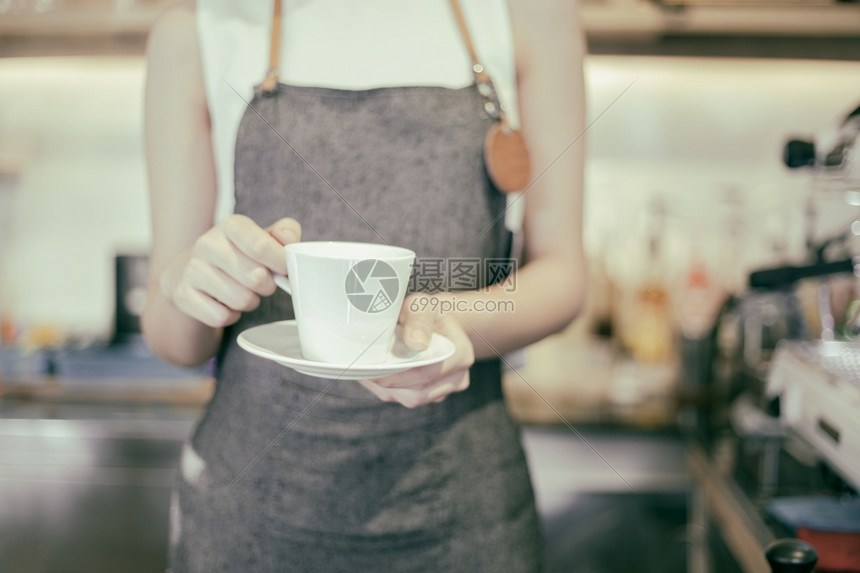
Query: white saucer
point(279, 341)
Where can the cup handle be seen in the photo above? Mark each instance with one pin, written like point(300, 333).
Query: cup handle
point(283, 282)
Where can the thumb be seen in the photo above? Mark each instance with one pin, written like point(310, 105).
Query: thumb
point(417, 324)
point(286, 231)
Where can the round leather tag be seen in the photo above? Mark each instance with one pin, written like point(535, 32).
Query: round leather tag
point(507, 158)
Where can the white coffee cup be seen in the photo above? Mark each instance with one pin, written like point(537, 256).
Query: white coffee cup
point(346, 298)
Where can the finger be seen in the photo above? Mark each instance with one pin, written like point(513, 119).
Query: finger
point(424, 376)
point(218, 251)
point(414, 398)
point(286, 231)
point(440, 392)
point(255, 242)
point(415, 378)
point(217, 284)
point(376, 390)
point(417, 326)
point(435, 392)
point(408, 397)
point(451, 385)
point(203, 308)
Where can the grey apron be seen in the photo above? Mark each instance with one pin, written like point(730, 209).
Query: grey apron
point(356, 484)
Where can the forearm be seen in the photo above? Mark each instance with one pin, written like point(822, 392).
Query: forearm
point(181, 178)
point(546, 296)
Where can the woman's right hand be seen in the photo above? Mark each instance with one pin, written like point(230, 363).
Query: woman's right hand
point(228, 269)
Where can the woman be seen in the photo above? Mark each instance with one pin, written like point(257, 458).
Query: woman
point(374, 134)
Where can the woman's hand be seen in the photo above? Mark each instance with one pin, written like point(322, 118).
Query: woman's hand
point(432, 383)
point(228, 269)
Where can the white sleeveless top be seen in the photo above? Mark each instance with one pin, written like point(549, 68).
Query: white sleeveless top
point(343, 44)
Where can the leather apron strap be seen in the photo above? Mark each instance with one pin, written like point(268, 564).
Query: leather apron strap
point(269, 84)
point(482, 78)
point(505, 151)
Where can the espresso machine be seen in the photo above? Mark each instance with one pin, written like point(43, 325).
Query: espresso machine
point(818, 381)
point(801, 387)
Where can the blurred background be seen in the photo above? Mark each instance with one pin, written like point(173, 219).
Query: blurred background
point(706, 403)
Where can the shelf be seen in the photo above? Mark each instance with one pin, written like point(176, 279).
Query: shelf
point(86, 29)
point(649, 20)
point(81, 22)
point(612, 26)
point(186, 391)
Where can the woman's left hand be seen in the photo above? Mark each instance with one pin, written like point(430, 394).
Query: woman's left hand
point(432, 383)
